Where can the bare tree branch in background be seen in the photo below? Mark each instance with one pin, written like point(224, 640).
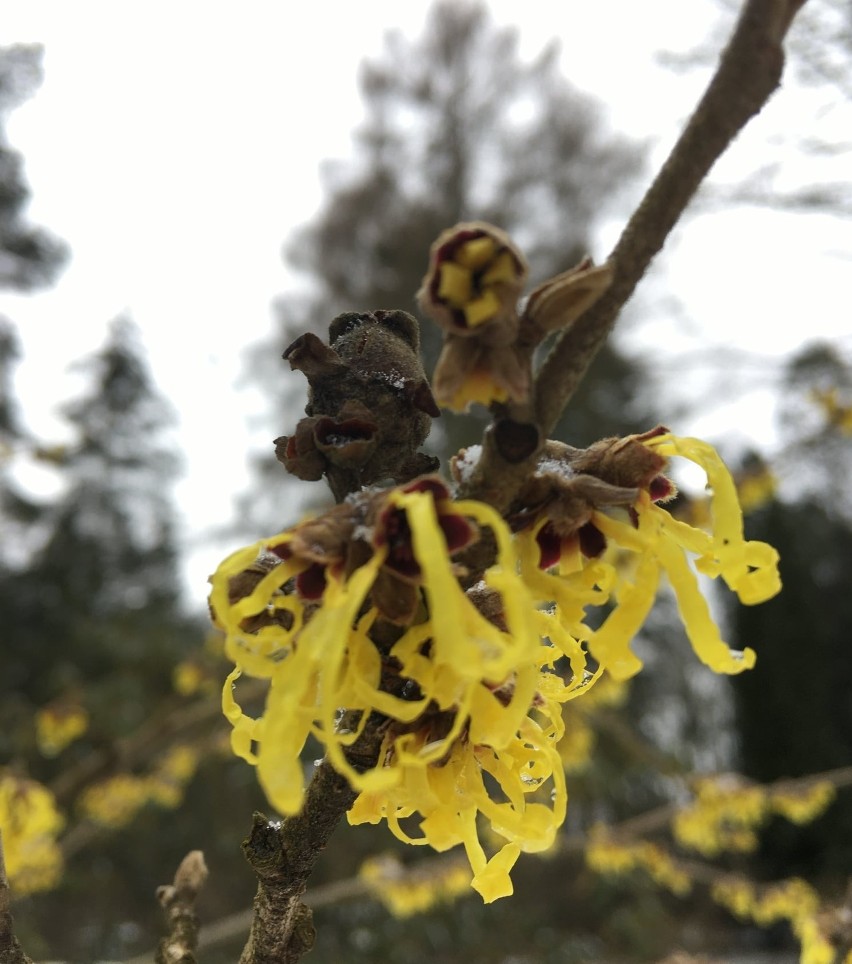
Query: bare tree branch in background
point(819, 52)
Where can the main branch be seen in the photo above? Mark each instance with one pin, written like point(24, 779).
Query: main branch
point(283, 854)
point(749, 71)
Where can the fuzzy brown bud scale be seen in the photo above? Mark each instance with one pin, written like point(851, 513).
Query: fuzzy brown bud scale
point(369, 407)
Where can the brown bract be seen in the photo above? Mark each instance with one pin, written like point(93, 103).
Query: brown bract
point(627, 462)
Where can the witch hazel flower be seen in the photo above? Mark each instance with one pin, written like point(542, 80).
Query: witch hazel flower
point(469, 677)
point(474, 701)
point(457, 634)
point(610, 497)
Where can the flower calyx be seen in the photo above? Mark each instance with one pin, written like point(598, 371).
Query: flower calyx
point(369, 407)
point(569, 485)
point(341, 540)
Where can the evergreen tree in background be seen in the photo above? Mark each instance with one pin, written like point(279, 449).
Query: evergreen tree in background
point(794, 710)
point(29, 257)
point(96, 607)
point(93, 619)
point(457, 127)
point(19, 514)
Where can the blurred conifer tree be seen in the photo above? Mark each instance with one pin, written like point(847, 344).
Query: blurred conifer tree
point(29, 256)
point(97, 606)
point(794, 710)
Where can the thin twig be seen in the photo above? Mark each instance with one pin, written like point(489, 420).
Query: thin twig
point(283, 855)
point(178, 902)
point(237, 925)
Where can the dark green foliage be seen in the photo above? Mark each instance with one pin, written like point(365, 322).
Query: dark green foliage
point(94, 616)
point(794, 711)
point(29, 257)
point(18, 512)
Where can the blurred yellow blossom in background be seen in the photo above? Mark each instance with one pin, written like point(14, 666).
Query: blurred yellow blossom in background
point(413, 890)
point(58, 724)
point(114, 802)
point(30, 822)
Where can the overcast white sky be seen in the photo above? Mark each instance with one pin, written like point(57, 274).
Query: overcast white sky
point(174, 146)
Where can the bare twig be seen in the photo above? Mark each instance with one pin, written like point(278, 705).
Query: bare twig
point(237, 925)
point(748, 73)
point(178, 902)
point(283, 854)
point(11, 951)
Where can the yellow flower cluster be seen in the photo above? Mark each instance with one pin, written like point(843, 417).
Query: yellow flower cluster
point(412, 890)
point(792, 900)
point(485, 711)
point(472, 691)
point(58, 725)
point(726, 812)
point(756, 488)
point(31, 823)
point(722, 817)
point(837, 412)
point(610, 857)
point(167, 782)
point(115, 802)
point(803, 805)
point(188, 677)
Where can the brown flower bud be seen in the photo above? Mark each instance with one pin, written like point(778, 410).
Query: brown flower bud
point(469, 371)
point(369, 405)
